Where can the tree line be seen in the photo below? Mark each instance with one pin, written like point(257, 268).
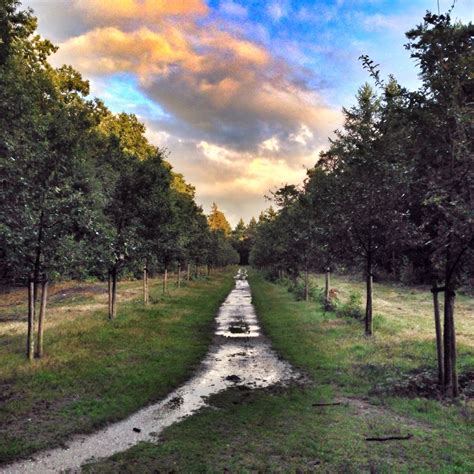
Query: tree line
point(394, 193)
point(83, 192)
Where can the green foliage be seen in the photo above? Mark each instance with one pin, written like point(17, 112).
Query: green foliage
point(296, 286)
point(352, 308)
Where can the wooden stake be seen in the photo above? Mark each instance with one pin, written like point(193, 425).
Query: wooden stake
point(327, 286)
point(145, 285)
point(165, 281)
point(306, 285)
point(368, 309)
point(439, 335)
point(30, 341)
point(114, 293)
point(42, 314)
point(110, 293)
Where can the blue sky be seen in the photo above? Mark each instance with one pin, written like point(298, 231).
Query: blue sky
point(243, 94)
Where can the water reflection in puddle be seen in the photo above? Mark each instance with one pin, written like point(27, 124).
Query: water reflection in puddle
point(239, 356)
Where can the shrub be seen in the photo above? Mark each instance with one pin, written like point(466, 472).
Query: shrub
point(353, 307)
point(296, 286)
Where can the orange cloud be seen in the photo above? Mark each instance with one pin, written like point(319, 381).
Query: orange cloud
point(144, 52)
point(244, 50)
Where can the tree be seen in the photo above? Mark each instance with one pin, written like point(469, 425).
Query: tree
point(369, 189)
point(218, 221)
point(240, 241)
point(48, 198)
point(444, 160)
point(136, 184)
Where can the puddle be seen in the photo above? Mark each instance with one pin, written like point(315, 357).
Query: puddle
point(239, 357)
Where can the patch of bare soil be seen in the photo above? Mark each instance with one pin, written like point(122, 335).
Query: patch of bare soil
point(61, 295)
point(13, 317)
point(423, 383)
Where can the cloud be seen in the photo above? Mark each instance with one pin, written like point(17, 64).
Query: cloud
point(232, 8)
point(237, 119)
point(380, 22)
point(277, 10)
point(231, 90)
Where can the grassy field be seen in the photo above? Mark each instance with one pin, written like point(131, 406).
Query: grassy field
point(94, 370)
point(285, 430)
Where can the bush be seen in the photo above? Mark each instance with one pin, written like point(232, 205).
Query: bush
point(296, 286)
point(353, 307)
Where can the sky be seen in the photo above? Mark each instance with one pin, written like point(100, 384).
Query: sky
point(243, 94)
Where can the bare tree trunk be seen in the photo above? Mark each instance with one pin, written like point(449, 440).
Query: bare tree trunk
point(179, 275)
point(165, 281)
point(208, 270)
point(327, 283)
point(30, 340)
point(306, 285)
point(145, 285)
point(439, 335)
point(197, 270)
point(188, 273)
point(450, 372)
point(42, 314)
point(368, 308)
point(113, 312)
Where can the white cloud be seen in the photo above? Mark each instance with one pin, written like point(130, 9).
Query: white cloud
point(302, 136)
point(277, 11)
point(231, 8)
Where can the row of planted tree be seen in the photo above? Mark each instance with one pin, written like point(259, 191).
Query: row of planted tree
point(394, 193)
point(83, 192)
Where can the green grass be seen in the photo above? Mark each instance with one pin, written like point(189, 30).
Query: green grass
point(97, 371)
point(281, 430)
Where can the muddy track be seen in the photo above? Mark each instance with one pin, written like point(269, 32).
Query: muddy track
point(240, 356)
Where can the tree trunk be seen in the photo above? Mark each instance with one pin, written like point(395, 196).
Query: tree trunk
point(42, 314)
point(113, 302)
point(165, 281)
point(439, 335)
point(327, 286)
point(450, 372)
point(208, 269)
point(306, 285)
point(179, 275)
point(368, 308)
point(197, 270)
point(145, 285)
point(188, 272)
point(109, 288)
point(30, 340)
